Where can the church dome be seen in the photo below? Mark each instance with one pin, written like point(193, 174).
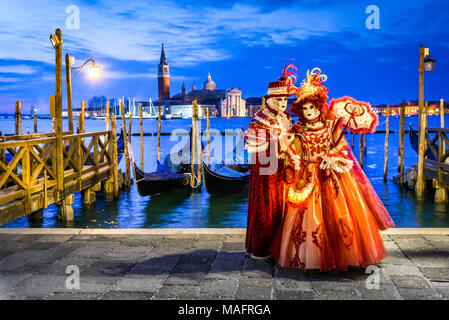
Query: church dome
point(209, 85)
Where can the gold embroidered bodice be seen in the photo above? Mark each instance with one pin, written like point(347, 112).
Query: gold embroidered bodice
point(316, 142)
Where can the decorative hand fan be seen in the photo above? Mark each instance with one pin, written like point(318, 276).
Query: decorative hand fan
point(357, 116)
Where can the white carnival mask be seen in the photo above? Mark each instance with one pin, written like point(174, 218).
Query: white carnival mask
point(278, 103)
point(310, 112)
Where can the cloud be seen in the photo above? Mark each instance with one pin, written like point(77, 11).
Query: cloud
point(7, 79)
point(17, 69)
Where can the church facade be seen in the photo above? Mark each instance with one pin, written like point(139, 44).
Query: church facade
point(220, 102)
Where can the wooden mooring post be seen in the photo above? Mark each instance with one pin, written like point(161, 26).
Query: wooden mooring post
point(107, 116)
point(361, 149)
point(141, 137)
point(130, 116)
point(441, 192)
point(112, 184)
point(159, 116)
point(208, 136)
point(18, 118)
point(128, 169)
point(35, 123)
point(420, 183)
point(387, 133)
point(353, 138)
point(401, 143)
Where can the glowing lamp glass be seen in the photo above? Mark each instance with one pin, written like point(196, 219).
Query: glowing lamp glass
point(429, 64)
point(94, 72)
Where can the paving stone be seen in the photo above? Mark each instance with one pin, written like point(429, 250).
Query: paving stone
point(16, 260)
point(177, 237)
point(186, 278)
point(211, 246)
point(257, 268)
point(115, 295)
point(442, 288)
point(107, 268)
point(59, 267)
point(155, 266)
point(438, 274)
point(90, 251)
point(292, 280)
point(236, 238)
point(226, 265)
point(292, 295)
point(55, 253)
point(143, 284)
point(350, 294)
point(72, 296)
point(224, 289)
point(385, 237)
point(129, 252)
point(177, 292)
point(443, 238)
point(385, 292)
point(9, 238)
point(401, 270)
point(212, 237)
point(41, 245)
point(39, 286)
point(410, 282)
point(420, 294)
point(11, 279)
point(233, 247)
point(248, 291)
point(58, 238)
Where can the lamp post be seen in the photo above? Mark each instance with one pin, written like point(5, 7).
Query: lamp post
point(426, 64)
point(94, 73)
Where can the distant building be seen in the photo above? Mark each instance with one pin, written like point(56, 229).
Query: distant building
point(163, 77)
point(221, 102)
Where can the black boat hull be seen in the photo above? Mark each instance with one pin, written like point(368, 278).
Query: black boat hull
point(415, 143)
point(216, 183)
point(157, 183)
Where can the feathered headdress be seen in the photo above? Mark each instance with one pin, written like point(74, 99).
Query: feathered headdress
point(285, 86)
point(311, 85)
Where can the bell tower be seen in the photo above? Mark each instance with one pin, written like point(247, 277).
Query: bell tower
point(163, 77)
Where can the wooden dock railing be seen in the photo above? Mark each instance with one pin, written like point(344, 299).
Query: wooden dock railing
point(437, 169)
point(28, 175)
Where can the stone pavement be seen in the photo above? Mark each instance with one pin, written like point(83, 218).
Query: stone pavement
point(204, 264)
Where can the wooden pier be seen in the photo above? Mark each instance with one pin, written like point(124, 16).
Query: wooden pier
point(32, 179)
point(438, 169)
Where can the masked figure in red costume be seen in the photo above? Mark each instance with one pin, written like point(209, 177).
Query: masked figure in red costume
point(268, 139)
point(333, 215)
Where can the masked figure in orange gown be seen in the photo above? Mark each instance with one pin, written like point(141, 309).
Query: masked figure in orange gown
point(333, 215)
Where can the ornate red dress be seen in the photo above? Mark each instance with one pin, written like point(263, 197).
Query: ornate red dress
point(333, 215)
point(265, 196)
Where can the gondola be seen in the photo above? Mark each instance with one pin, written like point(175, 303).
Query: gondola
point(160, 181)
point(226, 179)
point(230, 177)
point(414, 142)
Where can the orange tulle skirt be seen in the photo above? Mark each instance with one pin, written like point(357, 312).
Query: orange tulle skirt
point(334, 228)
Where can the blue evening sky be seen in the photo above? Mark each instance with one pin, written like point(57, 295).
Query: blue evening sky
point(245, 43)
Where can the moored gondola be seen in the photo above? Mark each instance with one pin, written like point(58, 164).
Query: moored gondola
point(414, 142)
point(160, 181)
point(226, 179)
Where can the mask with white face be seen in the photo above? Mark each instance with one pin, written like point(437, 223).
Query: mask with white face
point(278, 103)
point(310, 112)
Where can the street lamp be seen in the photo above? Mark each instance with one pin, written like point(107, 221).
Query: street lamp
point(94, 73)
point(426, 64)
point(429, 64)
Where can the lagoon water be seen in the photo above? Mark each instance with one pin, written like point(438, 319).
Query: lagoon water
point(201, 210)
